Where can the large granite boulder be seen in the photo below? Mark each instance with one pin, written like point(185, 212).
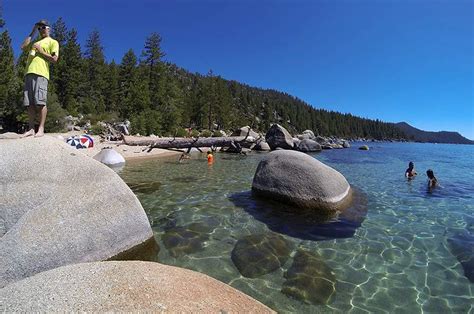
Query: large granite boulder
point(307, 146)
point(243, 131)
point(309, 133)
point(278, 136)
point(299, 179)
point(60, 207)
point(251, 135)
point(125, 287)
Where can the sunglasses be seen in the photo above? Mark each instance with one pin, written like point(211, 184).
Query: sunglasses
point(43, 27)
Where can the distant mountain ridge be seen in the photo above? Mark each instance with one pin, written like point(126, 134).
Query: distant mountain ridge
point(418, 135)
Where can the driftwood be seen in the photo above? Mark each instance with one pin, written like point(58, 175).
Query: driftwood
point(183, 142)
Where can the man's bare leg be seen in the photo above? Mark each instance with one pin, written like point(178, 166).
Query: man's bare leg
point(43, 112)
point(31, 121)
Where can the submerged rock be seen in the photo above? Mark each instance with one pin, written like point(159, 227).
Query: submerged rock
point(462, 246)
point(145, 187)
point(260, 254)
point(299, 179)
point(308, 145)
point(309, 279)
point(125, 287)
point(186, 239)
point(278, 136)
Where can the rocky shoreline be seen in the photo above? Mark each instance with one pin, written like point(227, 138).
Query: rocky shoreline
point(59, 230)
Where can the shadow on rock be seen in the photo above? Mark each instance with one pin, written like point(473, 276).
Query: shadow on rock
point(309, 279)
point(462, 246)
point(297, 223)
point(260, 254)
point(186, 239)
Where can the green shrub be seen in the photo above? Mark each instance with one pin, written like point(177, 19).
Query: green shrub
point(55, 121)
point(205, 133)
point(180, 132)
point(216, 134)
point(194, 133)
point(97, 129)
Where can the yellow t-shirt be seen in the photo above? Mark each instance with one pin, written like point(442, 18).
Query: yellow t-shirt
point(36, 64)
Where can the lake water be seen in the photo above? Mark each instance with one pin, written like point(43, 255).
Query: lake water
point(397, 259)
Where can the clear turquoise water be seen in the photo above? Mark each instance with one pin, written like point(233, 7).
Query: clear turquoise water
point(398, 260)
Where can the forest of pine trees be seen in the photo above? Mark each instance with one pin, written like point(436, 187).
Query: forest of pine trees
point(159, 97)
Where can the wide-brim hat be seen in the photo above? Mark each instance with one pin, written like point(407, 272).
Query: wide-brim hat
point(43, 22)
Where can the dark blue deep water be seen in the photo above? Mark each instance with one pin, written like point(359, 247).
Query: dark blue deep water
point(400, 248)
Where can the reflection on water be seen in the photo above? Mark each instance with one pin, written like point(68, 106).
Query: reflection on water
point(401, 250)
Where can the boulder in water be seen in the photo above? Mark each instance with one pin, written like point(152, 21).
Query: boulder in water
point(278, 136)
point(307, 146)
point(299, 179)
point(364, 147)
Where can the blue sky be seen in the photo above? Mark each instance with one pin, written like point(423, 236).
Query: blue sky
point(393, 60)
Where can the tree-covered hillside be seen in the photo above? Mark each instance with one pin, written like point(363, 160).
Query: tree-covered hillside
point(159, 97)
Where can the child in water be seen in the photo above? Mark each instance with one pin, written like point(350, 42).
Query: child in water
point(432, 181)
point(410, 173)
point(210, 158)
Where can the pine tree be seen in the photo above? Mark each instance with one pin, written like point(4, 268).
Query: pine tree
point(151, 58)
point(57, 76)
point(112, 90)
point(71, 74)
point(95, 64)
point(8, 82)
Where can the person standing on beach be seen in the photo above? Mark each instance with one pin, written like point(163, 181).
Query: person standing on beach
point(41, 53)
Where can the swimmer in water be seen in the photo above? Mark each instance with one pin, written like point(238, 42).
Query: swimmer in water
point(210, 157)
point(432, 181)
point(410, 173)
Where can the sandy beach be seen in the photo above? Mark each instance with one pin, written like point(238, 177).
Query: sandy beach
point(127, 151)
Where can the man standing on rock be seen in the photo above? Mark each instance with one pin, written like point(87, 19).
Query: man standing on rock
point(41, 53)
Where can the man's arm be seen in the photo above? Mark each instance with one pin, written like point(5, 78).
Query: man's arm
point(27, 40)
point(50, 57)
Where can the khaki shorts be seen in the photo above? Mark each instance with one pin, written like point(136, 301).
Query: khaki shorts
point(35, 91)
